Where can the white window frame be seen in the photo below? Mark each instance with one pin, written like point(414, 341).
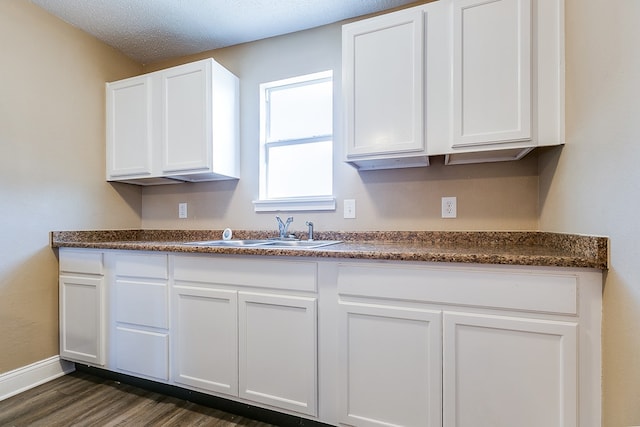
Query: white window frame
point(312, 203)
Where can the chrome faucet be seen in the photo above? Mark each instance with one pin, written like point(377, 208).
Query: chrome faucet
point(284, 227)
point(310, 225)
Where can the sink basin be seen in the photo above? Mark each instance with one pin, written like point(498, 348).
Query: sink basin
point(231, 243)
point(270, 243)
point(307, 244)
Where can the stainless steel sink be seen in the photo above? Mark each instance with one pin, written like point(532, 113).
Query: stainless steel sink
point(231, 243)
point(267, 243)
point(307, 244)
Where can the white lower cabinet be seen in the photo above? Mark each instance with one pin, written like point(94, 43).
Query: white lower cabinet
point(390, 365)
point(436, 345)
point(507, 371)
point(345, 342)
point(247, 328)
point(82, 306)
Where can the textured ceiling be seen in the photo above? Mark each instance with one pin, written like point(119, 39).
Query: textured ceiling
point(153, 30)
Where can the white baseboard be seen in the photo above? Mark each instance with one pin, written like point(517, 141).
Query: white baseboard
point(26, 377)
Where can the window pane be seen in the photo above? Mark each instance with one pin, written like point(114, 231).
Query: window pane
point(301, 170)
point(300, 111)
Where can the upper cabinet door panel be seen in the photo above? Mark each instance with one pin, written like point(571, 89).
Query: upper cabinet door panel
point(129, 123)
point(186, 117)
point(383, 83)
point(492, 71)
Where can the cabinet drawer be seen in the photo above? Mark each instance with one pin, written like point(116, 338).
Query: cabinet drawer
point(526, 290)
point(153, 266)
point(81, 261)
point(273, 274)
point(142, 303)
point(143, 353)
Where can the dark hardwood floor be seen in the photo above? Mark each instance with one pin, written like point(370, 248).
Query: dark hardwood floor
point(82, 399)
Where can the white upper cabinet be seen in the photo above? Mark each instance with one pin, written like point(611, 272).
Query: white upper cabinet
point(473, 80)
point(383, 78)
point(507, 88)
point(174, 125)
point(491, 71)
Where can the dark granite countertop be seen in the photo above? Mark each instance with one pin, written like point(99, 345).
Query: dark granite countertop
point(506, 248)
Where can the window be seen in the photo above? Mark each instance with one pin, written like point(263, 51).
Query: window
point(296, 144)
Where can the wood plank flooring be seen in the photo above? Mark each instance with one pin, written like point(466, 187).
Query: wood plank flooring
point(81, 399)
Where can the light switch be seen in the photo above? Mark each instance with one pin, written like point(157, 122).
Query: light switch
point(349, 208)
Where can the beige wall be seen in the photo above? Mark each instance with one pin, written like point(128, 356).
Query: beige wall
point(490, 197)
point(51, 167)
point(593, 186)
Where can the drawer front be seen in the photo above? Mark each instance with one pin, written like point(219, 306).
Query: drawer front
point(83, 261)
point(143, 353)
point(152, 266)
point(254, 272)
point(491, 288)
point(142, 303)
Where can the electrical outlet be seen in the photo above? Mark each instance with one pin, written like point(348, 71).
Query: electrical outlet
point(182, 210)
point(349, 208)
point(449, 207)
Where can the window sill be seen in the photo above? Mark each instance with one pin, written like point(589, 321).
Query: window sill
point(298, 204)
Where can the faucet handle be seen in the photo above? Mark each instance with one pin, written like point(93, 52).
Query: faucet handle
point(283, 227)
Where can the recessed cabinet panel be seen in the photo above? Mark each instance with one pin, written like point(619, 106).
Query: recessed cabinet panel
point(383, 87)
point(129, 133)
point(390, 366)
point(186, 92)
point(277, 349)
point(142, 352)
point(141, 303)
point(387, 55)
point(492, 71)
point(502, 371)
point(205, 330)
point(81, 319)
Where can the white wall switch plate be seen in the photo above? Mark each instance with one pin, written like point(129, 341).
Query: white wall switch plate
point(349, 208)
point(449, 207)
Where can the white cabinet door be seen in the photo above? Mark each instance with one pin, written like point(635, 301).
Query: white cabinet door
point(278, 351)
point(129, 132)
point(186, 117)
point(506, 371)
point(383, 69)
point(492, 71)
point(82, 319)
point(205, 343)
point(492, 88)
point(390, 365)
